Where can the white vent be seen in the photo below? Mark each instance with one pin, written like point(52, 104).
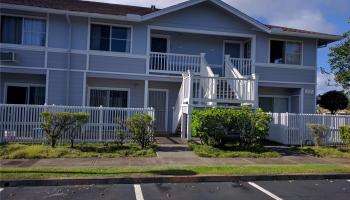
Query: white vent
point(8, 56)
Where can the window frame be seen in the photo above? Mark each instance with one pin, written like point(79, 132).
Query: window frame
point(110, 36)
point(25, 85)
point(285, 41)
point(109, 89)
point(45, 19)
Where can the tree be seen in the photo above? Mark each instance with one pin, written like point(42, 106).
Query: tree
point(340, 61)
point(333, 101)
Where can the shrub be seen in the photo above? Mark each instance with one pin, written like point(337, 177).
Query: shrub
point(57, 123)
point(79, 118)
point(318, 131)
point(333, 101)
point(212, 125)
point(141, 126)
point(345, 134)
point(120, 131)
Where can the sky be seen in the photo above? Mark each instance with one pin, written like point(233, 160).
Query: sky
point(328, 16)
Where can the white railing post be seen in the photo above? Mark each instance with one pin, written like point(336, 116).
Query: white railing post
point(226, 62)
point(202, 63)
point(256, 90)
point(100, 124)
point(189, 113)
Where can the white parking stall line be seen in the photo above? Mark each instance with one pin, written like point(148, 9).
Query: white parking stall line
point(265, 191)
point(138, 192)
point(348, 180)
point(1, 189)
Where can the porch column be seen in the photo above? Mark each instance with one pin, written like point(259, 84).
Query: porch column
point(145, 100)
point(190, 104)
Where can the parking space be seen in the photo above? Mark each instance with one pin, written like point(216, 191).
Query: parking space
point(85, 192)
point(308, 189)
point(273, 190)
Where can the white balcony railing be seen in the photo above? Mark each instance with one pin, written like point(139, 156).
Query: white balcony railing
point(172, 63)
point(243, 65)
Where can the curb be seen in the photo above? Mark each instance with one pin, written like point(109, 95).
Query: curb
point(167, 179)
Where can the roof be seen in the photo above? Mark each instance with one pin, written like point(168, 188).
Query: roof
point(84, 6)
point(149, 13)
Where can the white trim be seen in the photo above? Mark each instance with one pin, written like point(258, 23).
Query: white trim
point(18, 84)
point(324, 36)
point(287, 40)
point(47, 38)
point(108, 89)
point(88, 45)
point(315, 93)
point(164, 36)
point(301, 100)
point(84, 90)
point(288, 66)
point(110, 34)
point(286, 82)
point(166, 103)
point(217, 2)
point(145, 100)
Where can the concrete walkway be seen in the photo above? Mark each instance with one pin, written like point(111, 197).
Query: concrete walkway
point(171, 155)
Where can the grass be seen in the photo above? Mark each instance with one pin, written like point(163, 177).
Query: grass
point(232, 151)
point(35, 151)
point(331, 152)
point(16, 173)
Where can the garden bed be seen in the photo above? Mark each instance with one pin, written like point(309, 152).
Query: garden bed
point(331, 152)
point(232, 151)
point(107, 150)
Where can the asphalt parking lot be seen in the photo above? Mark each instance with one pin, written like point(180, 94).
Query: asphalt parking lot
point(286, 190)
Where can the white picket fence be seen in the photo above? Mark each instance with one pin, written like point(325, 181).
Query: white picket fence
point(291, 128)
point(22, 123)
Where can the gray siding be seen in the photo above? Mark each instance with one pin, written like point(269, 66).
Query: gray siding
point(76, 88)
point(26, 58)
point(78, 61)
point(117, 64)
point(79, 32)
point(57, 60)
point(57, 87)
point(58, 31)
point(285, 74)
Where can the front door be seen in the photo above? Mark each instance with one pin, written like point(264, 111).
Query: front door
point(157, 99)
point(233, 49)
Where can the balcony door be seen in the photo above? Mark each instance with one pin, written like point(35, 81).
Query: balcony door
point(159, 44)
point(232, 48)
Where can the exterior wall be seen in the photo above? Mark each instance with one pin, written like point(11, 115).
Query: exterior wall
point(208, 17)
point(6, 78)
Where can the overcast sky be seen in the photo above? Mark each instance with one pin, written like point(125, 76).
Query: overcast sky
point(329, 16)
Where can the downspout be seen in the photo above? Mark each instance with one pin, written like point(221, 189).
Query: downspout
point(68, 58)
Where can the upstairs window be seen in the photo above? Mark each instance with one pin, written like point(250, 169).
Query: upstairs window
point(110, 38)
point(285, 52)
point(21, 30)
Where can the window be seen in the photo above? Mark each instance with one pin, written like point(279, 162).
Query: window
point(285, 52)
point(25, 95)
point(108, 98)
point(247, 50)
point(274, 104)
point(19, 30)
point(110, 38)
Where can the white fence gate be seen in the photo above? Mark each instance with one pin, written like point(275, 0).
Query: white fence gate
point(22, 123)
point(291, 128)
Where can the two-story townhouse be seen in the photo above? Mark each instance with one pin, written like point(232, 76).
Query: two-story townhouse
point(197, 53)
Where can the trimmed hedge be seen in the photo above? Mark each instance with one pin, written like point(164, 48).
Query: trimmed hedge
point(214, 125)
point(345, 134)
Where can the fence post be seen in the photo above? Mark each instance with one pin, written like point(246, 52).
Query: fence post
point(189, 109)
point(100, 124)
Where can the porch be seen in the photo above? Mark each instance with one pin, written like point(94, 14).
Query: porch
point(173, 51)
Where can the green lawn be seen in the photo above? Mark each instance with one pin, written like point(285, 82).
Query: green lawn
point(14, 173)
point(326, 152)
point(232, 151)
point(32, 151)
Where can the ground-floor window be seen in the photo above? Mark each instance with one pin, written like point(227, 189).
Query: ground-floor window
point(109, 97)
point(274, 104)
point(25, 94)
